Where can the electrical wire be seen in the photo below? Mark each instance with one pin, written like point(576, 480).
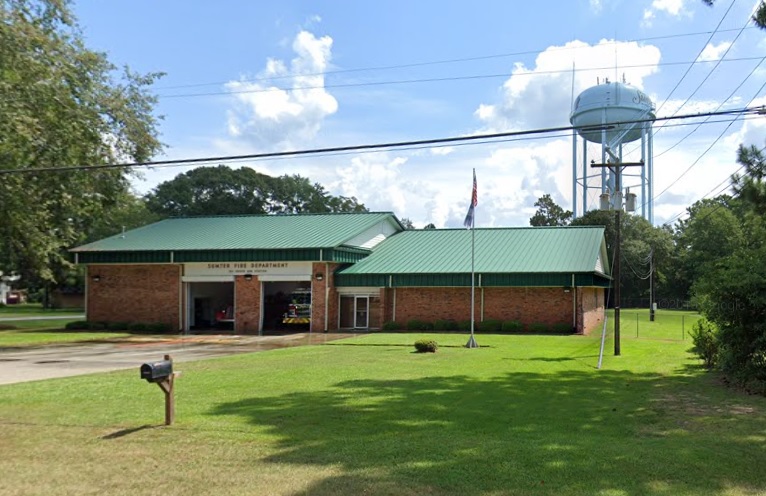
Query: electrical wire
point(436, 62)
point(437, 79)
point(697, 57)
point(374, 146)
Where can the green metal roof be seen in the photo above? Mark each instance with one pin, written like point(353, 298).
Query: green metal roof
point(508, 250)
point(256, 232)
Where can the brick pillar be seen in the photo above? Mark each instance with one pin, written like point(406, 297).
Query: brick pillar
point(247, 295)
point(324, 298)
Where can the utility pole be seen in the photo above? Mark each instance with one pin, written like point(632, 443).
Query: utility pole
point(616, 166)
point(651, 285)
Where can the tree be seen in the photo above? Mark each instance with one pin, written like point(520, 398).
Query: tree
point(731, 292)
point(430, 226)
point(407, 223)
point(759, 17)
point(549, 213)
point(62, 105)
point(639, 240)
point(222, 190)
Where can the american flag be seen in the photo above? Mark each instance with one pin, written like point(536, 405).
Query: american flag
point(474, 201)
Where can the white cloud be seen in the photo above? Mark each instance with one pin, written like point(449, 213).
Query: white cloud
point(670, 7)
point(442, 150)
point(596, 5)
point(713, 51)
point(290, 112)
point(541, 96)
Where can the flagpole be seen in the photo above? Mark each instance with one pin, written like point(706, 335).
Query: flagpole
point(472, 341)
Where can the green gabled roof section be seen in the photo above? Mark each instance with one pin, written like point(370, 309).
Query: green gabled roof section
point(239, 238)
point(526, 256)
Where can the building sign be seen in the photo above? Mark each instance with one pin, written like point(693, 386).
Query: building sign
point(241, 268)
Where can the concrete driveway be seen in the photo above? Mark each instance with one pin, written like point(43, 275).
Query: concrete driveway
point(34, 364)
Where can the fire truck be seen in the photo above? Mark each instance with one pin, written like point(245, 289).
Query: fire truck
point(299, 308)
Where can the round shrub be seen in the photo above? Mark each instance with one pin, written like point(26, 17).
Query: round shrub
point(158, 328)
point(562, 328)
point(392, 326)
point(706, 344)
point(445, 325)
point(490, 326)
point(117, 326)
point(137, 327)
point(512, 326)
point(426, 346)
point(419, 325)
point(539, 327)
point(77, 325)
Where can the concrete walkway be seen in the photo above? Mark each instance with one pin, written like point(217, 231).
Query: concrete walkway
point(48, 362)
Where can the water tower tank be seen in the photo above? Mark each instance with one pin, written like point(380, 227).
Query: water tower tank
point(609, 103)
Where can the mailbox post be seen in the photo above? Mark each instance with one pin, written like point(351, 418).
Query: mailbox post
point(161, 373)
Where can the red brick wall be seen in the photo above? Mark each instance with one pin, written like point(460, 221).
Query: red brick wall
point(527, 305)
point(135, 293)
point(247, 295)
point(590, 309)
point(318, 288)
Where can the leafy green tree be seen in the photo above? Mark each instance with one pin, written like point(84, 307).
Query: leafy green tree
point(407, 223)
point(731, 291)
point(62, 105)
point(711, 232)
point(639, 240)
point(760, 14)
point(222, 190)
point(549, 213)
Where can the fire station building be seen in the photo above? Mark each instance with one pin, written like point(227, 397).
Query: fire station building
point(325, 272)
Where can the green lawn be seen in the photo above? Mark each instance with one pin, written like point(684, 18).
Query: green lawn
point(521, 415)
point(35, 310)
point(667, 324)
point(23, 333)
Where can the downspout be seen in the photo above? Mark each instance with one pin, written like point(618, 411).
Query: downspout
point(393, 311)
point(87, 288)
point(481, 314)
point(326, 293)
point(574, 304)
point(180, 296)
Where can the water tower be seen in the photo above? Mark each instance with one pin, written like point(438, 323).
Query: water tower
point(611, 115)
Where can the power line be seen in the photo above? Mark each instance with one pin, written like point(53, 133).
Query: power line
point(708, 148)
point(697, 57)
point(440, 79)
point(375, 146)
point(717, 108)
point(440, 62)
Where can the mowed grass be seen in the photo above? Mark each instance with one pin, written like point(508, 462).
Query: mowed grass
point(521, 415)
point(35, 310)
point(667, 324)
point(26, 333)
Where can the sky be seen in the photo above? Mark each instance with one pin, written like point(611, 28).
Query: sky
point(257, 77)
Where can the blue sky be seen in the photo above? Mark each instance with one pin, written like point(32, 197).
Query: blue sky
point(231, 69)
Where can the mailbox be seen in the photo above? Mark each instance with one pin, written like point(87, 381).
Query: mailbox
point(157, 371)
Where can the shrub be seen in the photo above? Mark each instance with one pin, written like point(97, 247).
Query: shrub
point(392, 326)
point(137, 327)
point(117, 326)
point(419, 325)
point(562, 328)
point(539, 327)
point(96, 326)
point(464, 325)
point(490, 326)
point(158, 328)
point(445, 325)
point(77, 325)
point(512, 326)
point(426, 346)
point(706, 344)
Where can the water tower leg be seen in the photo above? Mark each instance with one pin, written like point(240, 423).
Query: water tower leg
point(574, 174)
